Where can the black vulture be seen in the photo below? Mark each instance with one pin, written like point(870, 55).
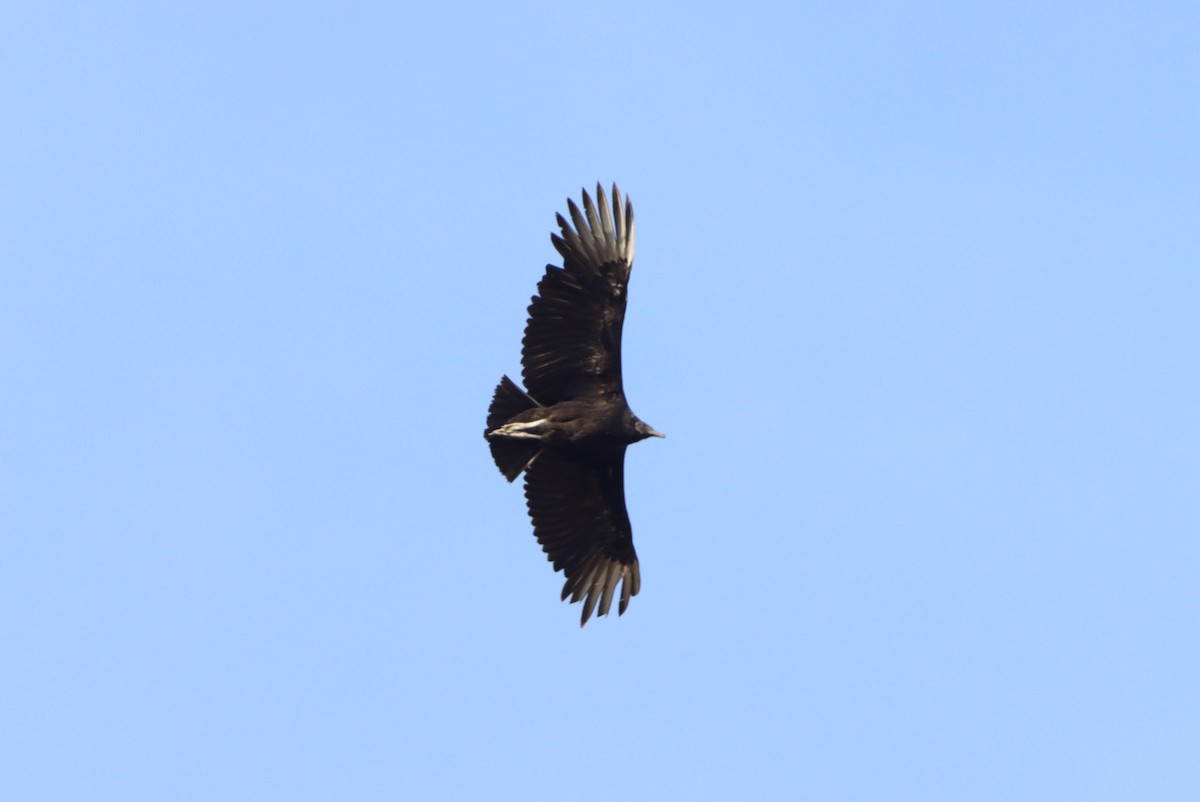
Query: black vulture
point(568, 430)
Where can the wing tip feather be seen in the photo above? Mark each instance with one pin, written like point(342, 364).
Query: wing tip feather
point(593, 233)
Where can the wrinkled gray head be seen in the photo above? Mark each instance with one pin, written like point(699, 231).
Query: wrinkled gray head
point(645, 430)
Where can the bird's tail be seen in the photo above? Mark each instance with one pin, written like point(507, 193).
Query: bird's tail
point(511, 456)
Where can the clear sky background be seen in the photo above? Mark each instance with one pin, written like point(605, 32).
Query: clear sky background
point(915, 300)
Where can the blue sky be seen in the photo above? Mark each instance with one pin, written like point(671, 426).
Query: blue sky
point(915, 301)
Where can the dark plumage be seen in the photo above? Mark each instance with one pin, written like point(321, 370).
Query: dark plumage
point(569, 432)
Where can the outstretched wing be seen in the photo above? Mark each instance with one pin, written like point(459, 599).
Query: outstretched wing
point(572, 345)
point(577, 503)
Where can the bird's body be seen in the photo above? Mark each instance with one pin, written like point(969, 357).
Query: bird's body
point(589, 423)
point(569, 432)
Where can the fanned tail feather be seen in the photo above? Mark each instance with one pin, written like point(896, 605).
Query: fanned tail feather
point(511, 456)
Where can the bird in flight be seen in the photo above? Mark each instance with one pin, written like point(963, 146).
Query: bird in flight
point(569, 428)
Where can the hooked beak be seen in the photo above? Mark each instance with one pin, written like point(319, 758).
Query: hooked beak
point(655, 433)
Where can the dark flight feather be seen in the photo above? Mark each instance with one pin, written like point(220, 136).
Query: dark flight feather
point(580, 520)
point(569, 432)
point(572, 342)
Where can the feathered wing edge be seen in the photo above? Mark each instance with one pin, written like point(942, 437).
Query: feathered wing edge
point(572, 339)
point(598, 579)
point(598, 237)
point(580, 520)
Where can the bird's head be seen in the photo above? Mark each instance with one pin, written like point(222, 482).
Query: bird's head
point(645, 430)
